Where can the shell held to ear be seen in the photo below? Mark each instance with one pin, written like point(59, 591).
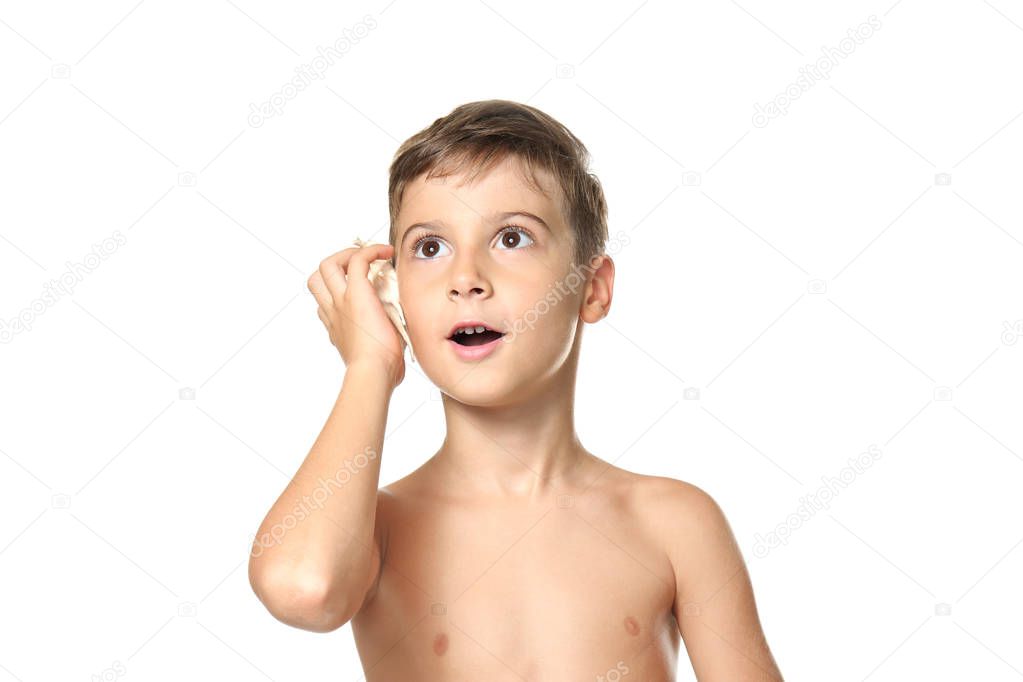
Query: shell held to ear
point(385, 283)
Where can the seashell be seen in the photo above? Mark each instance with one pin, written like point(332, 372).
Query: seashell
point(385, 283)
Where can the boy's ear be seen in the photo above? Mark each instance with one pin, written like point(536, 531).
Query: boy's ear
point(599, 290)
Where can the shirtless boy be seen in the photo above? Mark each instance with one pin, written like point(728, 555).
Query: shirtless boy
point(513, 553)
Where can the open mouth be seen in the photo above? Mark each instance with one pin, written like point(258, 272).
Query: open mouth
point(475, 338)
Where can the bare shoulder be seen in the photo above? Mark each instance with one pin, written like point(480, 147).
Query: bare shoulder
point(667, 490)
point(691, 503)
point(690, 529)
point(682, 518)
point(690, 524)
point(675, 507)
point(396, 499)
point(392, 499)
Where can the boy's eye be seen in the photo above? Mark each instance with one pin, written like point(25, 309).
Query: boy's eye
point(432, 245)
point(509, 239)
point(509, 236)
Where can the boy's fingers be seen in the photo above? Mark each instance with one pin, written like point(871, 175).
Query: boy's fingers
point(332, 273)
point(319, 290)
point(358, 262)
point(329, 283)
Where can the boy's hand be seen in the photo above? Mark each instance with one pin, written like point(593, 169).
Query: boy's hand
point(353, 314)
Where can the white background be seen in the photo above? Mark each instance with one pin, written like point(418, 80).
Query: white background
point(817, 284)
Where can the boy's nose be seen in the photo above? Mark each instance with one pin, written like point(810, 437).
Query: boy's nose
point(467, 280)
point(471, 292)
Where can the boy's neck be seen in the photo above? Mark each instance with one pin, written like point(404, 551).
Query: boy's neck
point(525, 451)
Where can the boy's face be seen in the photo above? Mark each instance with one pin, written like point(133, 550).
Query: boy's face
point(472, 263)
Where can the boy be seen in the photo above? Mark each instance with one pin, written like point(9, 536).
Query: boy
point(513, 553)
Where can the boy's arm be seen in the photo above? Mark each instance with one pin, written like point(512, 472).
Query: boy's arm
point(318, 551)
point(316, 557)
point(714, 604)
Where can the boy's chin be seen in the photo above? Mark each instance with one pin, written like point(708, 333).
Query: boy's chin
point(476, 396)
point(480, 386)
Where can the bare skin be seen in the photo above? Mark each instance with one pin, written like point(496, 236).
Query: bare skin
point(586, 583)
point(566, 586)
point(512, 553)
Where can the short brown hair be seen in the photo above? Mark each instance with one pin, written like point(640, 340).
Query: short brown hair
point(479, 135)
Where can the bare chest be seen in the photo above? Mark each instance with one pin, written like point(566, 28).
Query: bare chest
point(568, 590)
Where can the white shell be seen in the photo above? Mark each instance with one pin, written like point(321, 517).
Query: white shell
point(385, 283)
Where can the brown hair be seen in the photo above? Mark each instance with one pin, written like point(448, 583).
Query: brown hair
point(478, 135)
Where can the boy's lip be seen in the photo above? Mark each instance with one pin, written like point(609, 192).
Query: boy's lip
point(472, 323)
point(474, 352)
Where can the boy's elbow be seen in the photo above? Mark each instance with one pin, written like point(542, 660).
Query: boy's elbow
point(299, 600)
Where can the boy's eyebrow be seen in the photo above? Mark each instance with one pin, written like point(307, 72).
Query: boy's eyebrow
point(496, 217)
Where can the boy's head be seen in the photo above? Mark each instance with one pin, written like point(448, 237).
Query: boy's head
point(475, 137)
point(496, 218)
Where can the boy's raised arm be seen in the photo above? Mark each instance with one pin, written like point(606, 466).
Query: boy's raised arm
point(317, 552)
